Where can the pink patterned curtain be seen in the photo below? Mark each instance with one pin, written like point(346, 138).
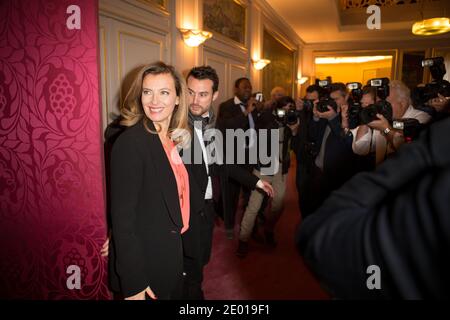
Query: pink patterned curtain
point(52, 210)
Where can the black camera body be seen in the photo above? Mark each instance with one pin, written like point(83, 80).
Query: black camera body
point(422, 94)
point(360, 115)
point(411, 127)
point(287, 117)
point(325, 85)
point(369, 113)
point(322, 105)
point(382, 86)
point(356, 91)
point(354, 104)
point(437, 67)
point(354, 111)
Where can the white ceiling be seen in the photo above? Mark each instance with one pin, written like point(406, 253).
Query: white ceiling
point(319, 21)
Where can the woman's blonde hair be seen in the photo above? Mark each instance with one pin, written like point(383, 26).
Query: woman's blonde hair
point(132, 110)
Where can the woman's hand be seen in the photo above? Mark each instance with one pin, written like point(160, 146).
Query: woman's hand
point(141, 295)
point(105, 248)
point(380, 124)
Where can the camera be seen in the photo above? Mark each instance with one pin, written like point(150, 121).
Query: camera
point(325, 85)
point(322, 105)
point(287, 117)
point(291, 115)
point(356, 91)
point(422, 94)
point(354, 104)
point(325, 100)
point(369, 113)
point(410, 127)
point(381, 85)
point(437, 67)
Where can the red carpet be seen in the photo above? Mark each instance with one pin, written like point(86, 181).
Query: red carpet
point(265, 274)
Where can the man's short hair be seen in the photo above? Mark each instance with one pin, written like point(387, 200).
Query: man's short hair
point(278, 89)
point(238, 81)
point(205, 72)
point(338, 86)
point(314, 87)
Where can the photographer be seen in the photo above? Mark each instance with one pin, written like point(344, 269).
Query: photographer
point(283, 117)
point(300, 143)
point(433, 97)
point(441, 106)
point(331, 147)
point(380, 137)
point(239, 112)
point(369, 97)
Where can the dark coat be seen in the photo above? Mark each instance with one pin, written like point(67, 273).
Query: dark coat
point(230, 116)
point(340, 163)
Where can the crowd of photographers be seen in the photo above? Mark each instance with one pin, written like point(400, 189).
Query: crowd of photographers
point(383, 233)
point(335, 131)
point(341, 129)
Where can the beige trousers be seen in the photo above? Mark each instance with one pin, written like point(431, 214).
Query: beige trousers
point(278, 182)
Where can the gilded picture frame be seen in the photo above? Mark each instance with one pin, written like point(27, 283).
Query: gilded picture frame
point(280, 71)
point(227, 19)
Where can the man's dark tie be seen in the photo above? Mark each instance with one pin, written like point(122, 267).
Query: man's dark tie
point(205, 122)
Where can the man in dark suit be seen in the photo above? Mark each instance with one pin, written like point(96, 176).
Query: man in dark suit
point(334, 161)
point(236, 113)
point(300, 143)
point(385, 234)
point(210, 176)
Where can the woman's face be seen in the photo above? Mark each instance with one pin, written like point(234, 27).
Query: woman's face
point(159, 98)
point(367, 100)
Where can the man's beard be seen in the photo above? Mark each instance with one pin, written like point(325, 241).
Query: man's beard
point(200, 109)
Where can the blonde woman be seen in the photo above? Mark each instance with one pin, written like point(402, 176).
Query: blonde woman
point(150, 188)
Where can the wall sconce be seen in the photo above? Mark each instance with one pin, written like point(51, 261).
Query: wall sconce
point(260, 64)
point(302, 80)
point(194, 38)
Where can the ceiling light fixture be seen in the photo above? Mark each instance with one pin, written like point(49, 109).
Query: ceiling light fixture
point(433, 26)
